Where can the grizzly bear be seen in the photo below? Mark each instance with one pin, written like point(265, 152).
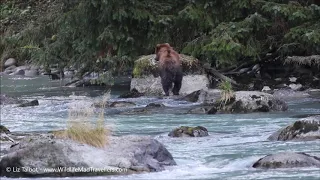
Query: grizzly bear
point(170, 68)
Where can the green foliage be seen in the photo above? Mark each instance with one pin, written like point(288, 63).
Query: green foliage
point(100, 36)
point(227, 94)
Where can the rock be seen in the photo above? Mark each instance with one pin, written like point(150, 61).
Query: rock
point(304, 129)
point(152, 85)
point(54, 76)
point(3, 129)
point(122, 104)
point(10, 69)
point(146, 66)
point(34, 67)
point(287, 160)
point(69, 74)
point(79, 83)
point(134, 93)
point(303, 115)
point(292, 79)
point(209, 96)
point(155, 105)
point(256, 68)
point(314, 92)
point(246, 102)
point(10, 62)
point(266, 89)
point(18, 72)
point(295, 87)
point(203, 110)
point(130, 153)
point(243, 70)
point(30, 103)
point(192, 97)
point(282, 86)
point(31, 73)
point(5, 99)
point(287, 94)
point(186, 131)
point(254, 101)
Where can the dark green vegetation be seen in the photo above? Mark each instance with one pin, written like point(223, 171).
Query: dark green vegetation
point(107, 35)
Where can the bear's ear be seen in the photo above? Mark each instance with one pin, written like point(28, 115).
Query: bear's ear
point(167, 44)
point(158, 47)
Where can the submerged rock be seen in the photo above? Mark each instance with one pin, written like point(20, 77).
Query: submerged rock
point(287, 160)
point(304, 129)
point(122, 104)
point(186, 131)
point(155, 105)
point(31, 103)
point(132, 94)
point(4, 99)
point(122, 155)
point(203, 110)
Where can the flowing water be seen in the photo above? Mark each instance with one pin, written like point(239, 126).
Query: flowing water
point(236, 141)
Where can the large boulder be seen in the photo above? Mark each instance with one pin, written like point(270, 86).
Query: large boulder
point(287, 160)
point(152, 85)
point(244, 101)
point(304, 129)
point(255, 101)
point(122, 155)
point(10, 62)
point(146, 76)
point(186, 131)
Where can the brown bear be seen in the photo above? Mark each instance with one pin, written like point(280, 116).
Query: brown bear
point(170, 68)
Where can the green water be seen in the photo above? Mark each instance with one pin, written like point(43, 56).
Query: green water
point(236, 141)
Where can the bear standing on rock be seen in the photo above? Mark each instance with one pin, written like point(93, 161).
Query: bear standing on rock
point(170, 68)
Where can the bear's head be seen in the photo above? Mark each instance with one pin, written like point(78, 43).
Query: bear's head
point(162, 50)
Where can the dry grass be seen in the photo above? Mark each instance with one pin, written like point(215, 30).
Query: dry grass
point(313, 60)
point(81, 129)
point(227, 93)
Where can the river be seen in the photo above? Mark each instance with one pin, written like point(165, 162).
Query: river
point(235, 142)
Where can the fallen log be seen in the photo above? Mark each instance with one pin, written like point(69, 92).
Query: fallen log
point(211, 71)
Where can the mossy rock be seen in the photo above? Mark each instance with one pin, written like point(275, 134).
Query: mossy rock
point(3, 129)
point(146, 65)
point(186, 131)
point(305, 129)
